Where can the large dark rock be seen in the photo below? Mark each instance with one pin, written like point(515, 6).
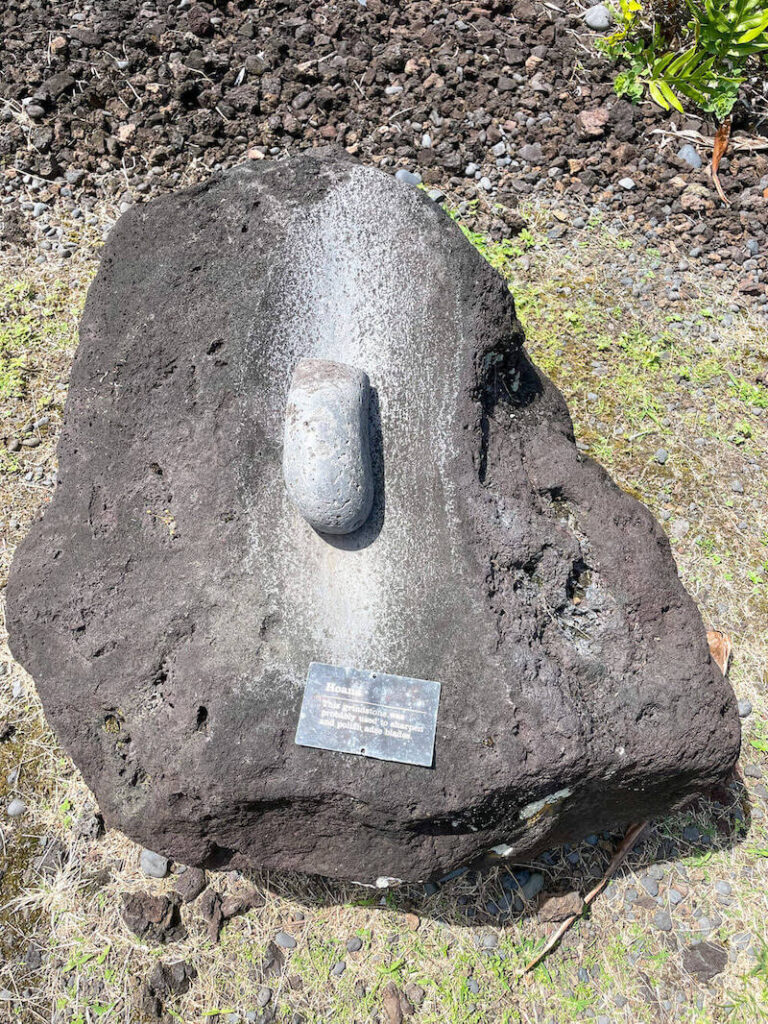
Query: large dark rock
point(170, 602)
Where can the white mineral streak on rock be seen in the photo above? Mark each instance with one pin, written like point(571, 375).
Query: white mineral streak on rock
point(384, 882)
point(538, 805)
point(503, 850)
point(326, 451)
point(351, 296)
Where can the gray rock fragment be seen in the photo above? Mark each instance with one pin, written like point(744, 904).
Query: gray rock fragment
point(326, 449)
point(407, 177)
point(16, 808)
point(598, 18)
point(153, 864)
point(690, 156)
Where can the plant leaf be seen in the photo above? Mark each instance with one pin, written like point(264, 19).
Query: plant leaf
point(753, 33)
point(657, 95)
point(670, 97)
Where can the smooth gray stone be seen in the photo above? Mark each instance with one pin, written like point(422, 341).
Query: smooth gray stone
point(407, 177)
point(326, 448)
point(153, 864)
point(690, 156)
point(598, 18)
point(16, 808)
point(533, 886)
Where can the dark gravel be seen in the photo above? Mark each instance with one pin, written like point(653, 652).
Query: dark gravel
point(492, 102)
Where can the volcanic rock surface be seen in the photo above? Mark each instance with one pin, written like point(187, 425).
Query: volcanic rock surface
point(171, 600)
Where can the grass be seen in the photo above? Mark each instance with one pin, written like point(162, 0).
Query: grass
point(637, 379)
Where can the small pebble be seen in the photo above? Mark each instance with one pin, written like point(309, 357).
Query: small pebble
point(265, 994)
point(473, 986)
point(690, 156)
point(153, 864)
point(745, 709)
point(598, 18)
point(16, 808)
point(339, 968)
point(285, 940)
point(627, 184)
point(661, 456)
point(662, 921)
point(407, 177)
point(724, 888)
point(532, 886)
point(354, 945)
point(650, 885)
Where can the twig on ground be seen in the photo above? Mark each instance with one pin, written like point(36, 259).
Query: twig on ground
point(633, 834)
point(739, 143)
point(720, 647)
point(722, 135)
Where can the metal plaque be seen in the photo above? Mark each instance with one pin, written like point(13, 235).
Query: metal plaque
point(353, 711)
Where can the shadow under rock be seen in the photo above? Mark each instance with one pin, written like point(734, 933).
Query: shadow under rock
point(491, 894)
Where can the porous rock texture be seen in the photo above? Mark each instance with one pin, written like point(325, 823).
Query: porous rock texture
point(171, 599)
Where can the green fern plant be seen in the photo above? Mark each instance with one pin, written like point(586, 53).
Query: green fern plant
point(709, 65)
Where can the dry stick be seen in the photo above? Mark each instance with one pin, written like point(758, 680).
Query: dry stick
point(633, 834)
point(722, 135)
point(740, 143)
